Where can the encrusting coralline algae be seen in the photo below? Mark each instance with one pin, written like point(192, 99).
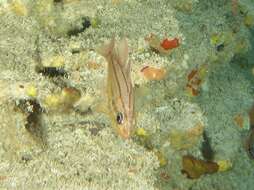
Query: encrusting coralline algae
point(48, 63)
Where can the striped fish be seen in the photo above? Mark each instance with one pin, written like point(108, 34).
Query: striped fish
point(119, 87)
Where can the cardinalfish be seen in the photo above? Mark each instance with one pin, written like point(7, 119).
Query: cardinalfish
point(119, 87)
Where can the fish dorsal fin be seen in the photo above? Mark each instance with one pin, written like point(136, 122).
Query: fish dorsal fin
point(106, 49)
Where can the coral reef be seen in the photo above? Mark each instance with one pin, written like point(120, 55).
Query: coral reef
point(55, 133)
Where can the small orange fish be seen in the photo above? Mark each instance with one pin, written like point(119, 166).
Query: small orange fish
point(119, 87)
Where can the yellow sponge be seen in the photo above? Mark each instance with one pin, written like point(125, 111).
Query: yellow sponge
point(224, 165)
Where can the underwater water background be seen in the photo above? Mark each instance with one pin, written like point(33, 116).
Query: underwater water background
point(192, 74)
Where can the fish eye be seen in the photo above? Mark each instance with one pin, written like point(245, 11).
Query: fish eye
point(119, 118)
